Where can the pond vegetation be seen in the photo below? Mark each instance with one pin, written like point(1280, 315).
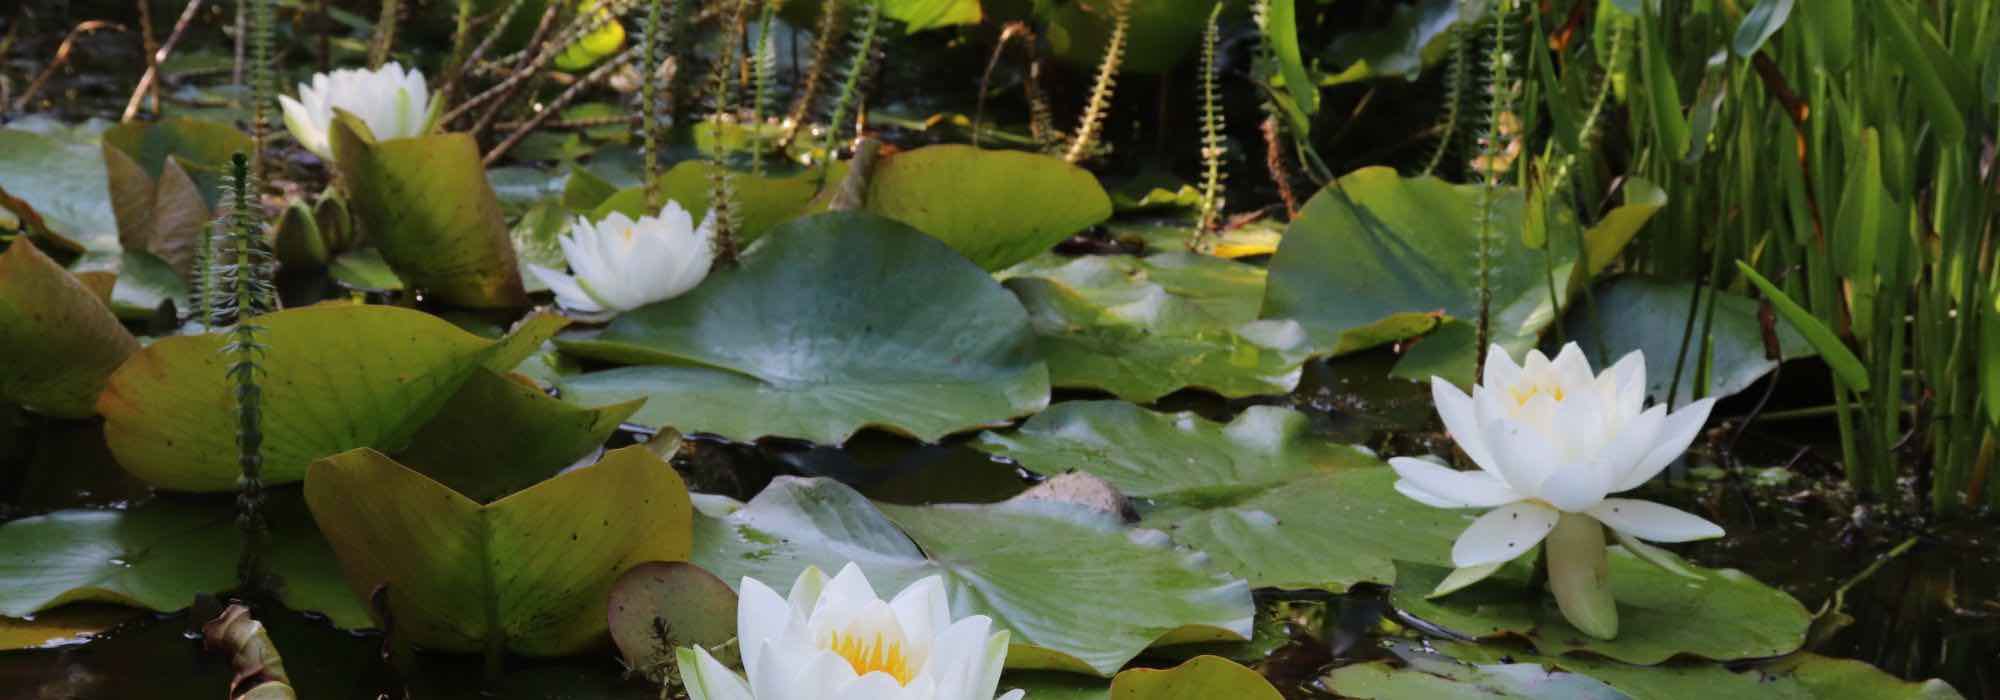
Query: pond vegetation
point(1133, 349)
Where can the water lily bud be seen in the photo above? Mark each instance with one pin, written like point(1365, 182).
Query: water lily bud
point(393, 102)
point(620, 264)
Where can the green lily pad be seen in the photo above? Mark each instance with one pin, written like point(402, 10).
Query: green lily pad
point(1416, 35)
point(1636, 313)
point(1089, 604)
point(162, 215)
point(528, 573)
point(1261, 496)
point(1142, 328)
point(62, 176)
point(336, 377)
point(1801, 676)
point(995, 207)
point(765, 200)
point(915, 15)
point(1056, 685)
point(1724, 616)
point(365, 270)
point(160, 555)
point(499, 435)
point(834, 322)
point(145, 284)
point(1379, 257)
point(58, 341)
point(659, 607)
point(1162, 32)
point(1201, 678)
point(426, 204)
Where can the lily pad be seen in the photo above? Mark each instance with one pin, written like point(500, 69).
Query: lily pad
point(528, 573)
point(765, 200)
point(63, 178)
point(1724, 616)
point(995, 207)
point(1261, 496)
point(1801, 676)
point(159, 555)
point(1636, 313)
point(426, 204)
point(658, 607)
point(1162, 32)
point(336, 377)
point(1142, 328)
point(70, 624)
point(1378, 257)
point(499, 435)
point(834, 322)
point(1201, 678)
point(59, 342)
point(1089, 605)
point(1416, 35)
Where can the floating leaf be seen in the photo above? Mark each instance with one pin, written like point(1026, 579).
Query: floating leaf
point(1636, 313)
point(1260, 495)
point(1201, 678)
point(1074, 607)
point(426, 204)
point(499, 435)
point(1724, 616)
point(1378, 257)
point(1163, 32)
point(834, 322)
point(658, 607)
point(64, 180)
point(336, 377)
point(766, 201)
point(528, 573)
point(1145, 327)
point(161, 554)
point(58, 341)
point(1801, 676)
point(995, 207)
point(64, 626)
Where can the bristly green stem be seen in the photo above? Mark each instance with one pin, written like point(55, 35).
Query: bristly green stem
point(865, 36)
point(1499, 92)
point(1099, 106)
point(1213, 148)
point(248, 294)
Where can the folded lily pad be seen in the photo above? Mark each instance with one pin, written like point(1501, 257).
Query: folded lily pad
point(528, 573)
point(995, 207)
point(163, 179)
point(336, 377)
point(499, 434)
point(1723, 616)
point(426, 204)
point(61, 174)
point(161, 554)
point(1260, 495)
point(1379, 257)
point(834, 322)
point(1142, 328)
point(59, 342)
point(1079, 590)
point(1636, 313)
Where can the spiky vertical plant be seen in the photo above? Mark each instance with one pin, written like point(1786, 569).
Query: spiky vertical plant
point(1213, 148)
point(825, 40)
point(722, 76)
point(243, 291)
point(726, 212)
point(764, 72)
point(655, 90)
point(385, 33)
point(263, 83)
point(1491, 170)
point(1094, 112)
point(863, 46)
point(1458, 72)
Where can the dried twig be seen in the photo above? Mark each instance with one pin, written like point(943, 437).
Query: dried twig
point(62, 56)
point(153, 66)
point(561, 101)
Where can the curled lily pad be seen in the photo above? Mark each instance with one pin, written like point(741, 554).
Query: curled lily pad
point(426, 204)
point(1145, 327)
point(59, 342)
point(335, 377)
point(834, 322)
point(1078, 606)
point(528, 573)
point(1262, 496)
point(500, 434)
point(1725, 615)
point(995, 207)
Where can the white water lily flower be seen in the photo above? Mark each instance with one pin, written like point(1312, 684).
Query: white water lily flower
point(835, 640)
point(621, 264)
point(395, 103)
point(1553, 442)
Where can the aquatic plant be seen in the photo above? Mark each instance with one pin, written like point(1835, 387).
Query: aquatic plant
point(1552, 441)
point(392, 101)
point(861, 56)
point(1213, 148)
point(1088, 126)
point(242, 292)
point(620, 264)
point(836, 637)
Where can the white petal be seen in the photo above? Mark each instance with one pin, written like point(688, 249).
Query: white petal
point(1631, 444)
point(1501, 372)
point(309, 132)
point(874, 686)
point(1015, 694)
point(1572, 369)
point(923, 609)
point(1461, 420)
point(1525, 457)
point(776, 674)
point(1503, 534)
point(707, 679)
point(1575, 488)
point(1466, 489)
point(824, 673)
point(1630, 377)
point(1680, 430)
point(1654, 522)
point(806, 589)
point(850, 585)
point(959, 659)
point(761, 616)
point(569, 294)
point(1425, 497)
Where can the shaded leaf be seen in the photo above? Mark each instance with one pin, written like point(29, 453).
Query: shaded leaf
point(1636, 313)
point(499, 435)
point(1201, 678)
point(59, 342)
point(658, 607)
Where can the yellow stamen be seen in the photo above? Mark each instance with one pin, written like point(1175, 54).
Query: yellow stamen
point(1521, 398)
point(868, 656)
point(628, 233)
